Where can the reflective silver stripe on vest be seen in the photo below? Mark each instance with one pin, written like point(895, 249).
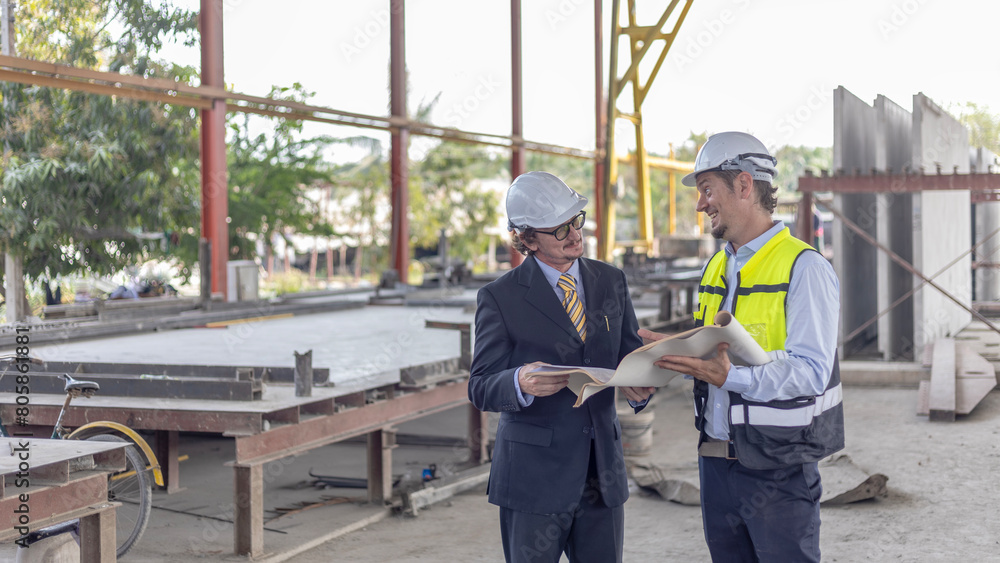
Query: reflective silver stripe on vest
point(769, 416)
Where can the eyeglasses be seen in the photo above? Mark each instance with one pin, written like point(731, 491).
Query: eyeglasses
point(562, 231)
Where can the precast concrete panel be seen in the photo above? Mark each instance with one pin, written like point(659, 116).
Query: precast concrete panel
point(895, 230)
point(942, 224)
point(854, 134)
point(987, 221)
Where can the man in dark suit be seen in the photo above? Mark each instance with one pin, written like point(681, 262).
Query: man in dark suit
point(558, 472)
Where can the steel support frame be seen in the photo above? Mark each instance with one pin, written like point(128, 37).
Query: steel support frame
point(214, 181)
point(166, 452)
point(517, 115)
point(374, 420)
point(641, 38)
point(982, 187)
point(84, 493)
point(399, 161)
point(906, 265)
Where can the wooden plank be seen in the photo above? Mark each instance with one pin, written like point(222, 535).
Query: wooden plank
point(942, 390)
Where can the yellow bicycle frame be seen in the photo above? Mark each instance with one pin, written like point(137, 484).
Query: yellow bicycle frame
point(101, 427)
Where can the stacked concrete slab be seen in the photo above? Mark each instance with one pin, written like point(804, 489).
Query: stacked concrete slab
point(854, 141)
point(927, 229)
point(987, 222)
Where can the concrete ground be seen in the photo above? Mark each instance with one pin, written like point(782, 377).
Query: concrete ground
point(943, 502)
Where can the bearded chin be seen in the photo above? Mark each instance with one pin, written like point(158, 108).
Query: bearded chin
point(719, 232)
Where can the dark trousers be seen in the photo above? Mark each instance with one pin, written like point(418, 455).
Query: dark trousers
point(588, 532)
point(760, 515)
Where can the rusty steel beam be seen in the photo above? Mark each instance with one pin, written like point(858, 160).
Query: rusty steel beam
point(98, 535)
point(292, 439)
point(901, 183)
point(479, 435)
point(380, 443)
point(399, 161)
point(54, 502)
point(111, 83)
point(122, 385)
point(233, 423)
point(214, 182)
point(248, 517)
point(804, 219)
point(516, 108)
point(166, 453)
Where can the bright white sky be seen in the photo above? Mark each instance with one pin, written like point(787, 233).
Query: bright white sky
point(767, 67)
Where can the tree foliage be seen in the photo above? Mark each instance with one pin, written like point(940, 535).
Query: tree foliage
point(983, 125)
point(447, 192)
point(88, 179)
point(793, 162)
point(271, 175)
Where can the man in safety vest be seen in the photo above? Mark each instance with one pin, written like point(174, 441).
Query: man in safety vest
point(763, 428)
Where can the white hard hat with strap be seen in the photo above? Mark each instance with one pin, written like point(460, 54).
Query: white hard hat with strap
point(733, 150)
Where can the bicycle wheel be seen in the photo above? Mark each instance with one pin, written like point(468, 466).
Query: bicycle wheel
point(134, 490)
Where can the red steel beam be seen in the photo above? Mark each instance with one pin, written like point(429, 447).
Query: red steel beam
point(517, 114)
point(900, 183)
point(144, 419)
point(214, 183)
point(53, 504)
point(288, 440)
point(399, 160)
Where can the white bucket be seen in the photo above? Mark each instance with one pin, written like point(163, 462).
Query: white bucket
point(637, 432)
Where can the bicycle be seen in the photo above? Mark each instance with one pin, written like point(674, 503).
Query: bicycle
point(130, 487)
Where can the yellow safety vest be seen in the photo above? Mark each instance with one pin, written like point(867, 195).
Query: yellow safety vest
point(759, 302)
point(769, 435)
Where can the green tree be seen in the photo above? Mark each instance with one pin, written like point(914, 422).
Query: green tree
point(447, 190)
point(273, 179)
point(89, 179)
point(983, 125)
point(793, 163)
point(361, 210)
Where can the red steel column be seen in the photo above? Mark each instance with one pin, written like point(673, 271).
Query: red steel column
point(517, 120)
point(214, 185)
point(399, 161)
point(600, 119)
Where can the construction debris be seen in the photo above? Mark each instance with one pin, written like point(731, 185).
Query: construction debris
point(844, 482)
point(676, 484)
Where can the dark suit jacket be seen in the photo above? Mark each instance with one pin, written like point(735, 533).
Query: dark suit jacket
point(542, 451)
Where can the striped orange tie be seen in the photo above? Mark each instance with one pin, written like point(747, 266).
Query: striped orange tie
point(573, 306)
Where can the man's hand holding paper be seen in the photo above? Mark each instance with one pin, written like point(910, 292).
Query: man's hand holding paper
point(540, 386)
point(714, 370)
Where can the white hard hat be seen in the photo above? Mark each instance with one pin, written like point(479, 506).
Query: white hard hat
point(541, 200)
point(733, 150)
